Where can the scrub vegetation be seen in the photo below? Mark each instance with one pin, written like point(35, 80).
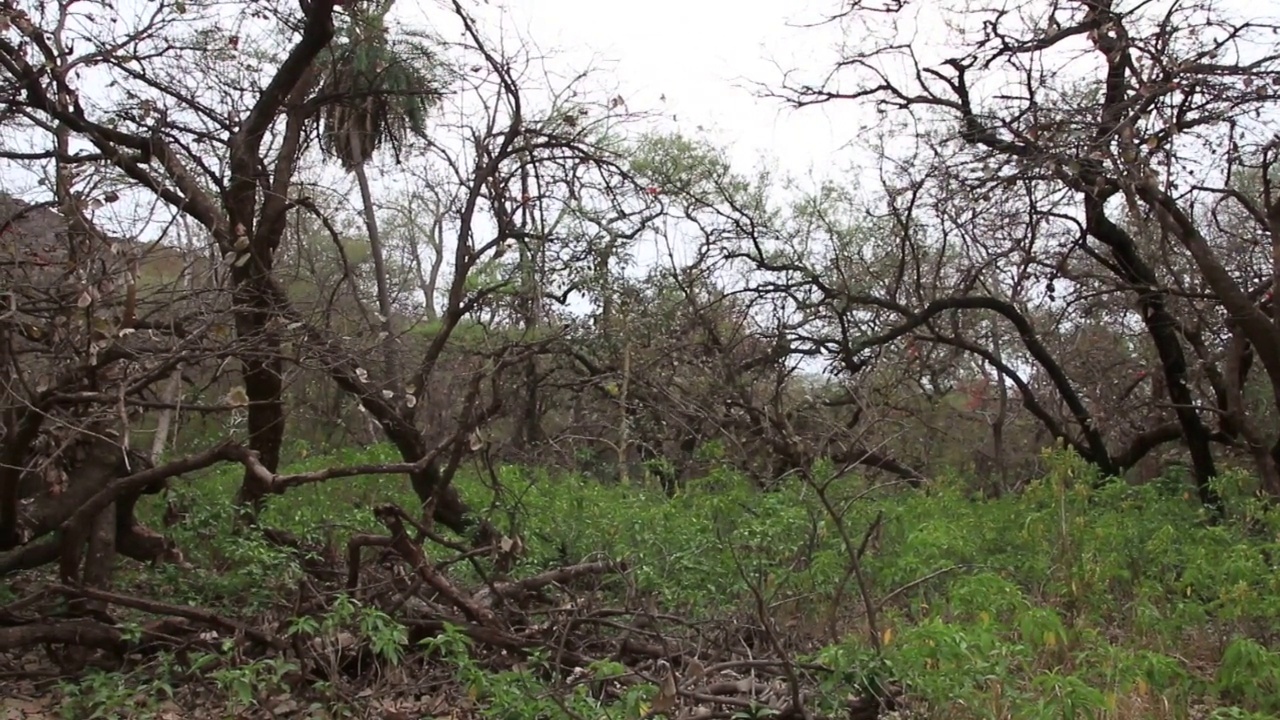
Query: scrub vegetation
point(354, 365)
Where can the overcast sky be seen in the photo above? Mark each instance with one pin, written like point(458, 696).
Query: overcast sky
point(694, 61)
point(700, 55)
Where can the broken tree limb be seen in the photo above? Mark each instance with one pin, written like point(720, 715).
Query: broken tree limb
point(390, 516)
point(157, 607)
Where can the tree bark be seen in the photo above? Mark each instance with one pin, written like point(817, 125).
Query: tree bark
point(1162, 326)
point(383, 282)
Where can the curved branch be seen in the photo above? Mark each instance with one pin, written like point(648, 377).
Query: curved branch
point(1093, 438)
point(1029, 399)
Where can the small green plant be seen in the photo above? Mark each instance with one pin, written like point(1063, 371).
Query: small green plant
point(136, 694)
point(1068, 599)
point(247, 685)
point(347, 626)
point(1250, 675)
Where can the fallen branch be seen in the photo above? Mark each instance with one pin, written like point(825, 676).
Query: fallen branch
point(82, 633)
point(508, 589)
point(422, 629)
point(390, 516)
point(354, 546)
point(204, 617)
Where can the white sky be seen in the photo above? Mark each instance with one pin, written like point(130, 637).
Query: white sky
point(694, 60)
point(702, 56)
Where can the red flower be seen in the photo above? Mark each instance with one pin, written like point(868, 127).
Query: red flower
point(653, 190)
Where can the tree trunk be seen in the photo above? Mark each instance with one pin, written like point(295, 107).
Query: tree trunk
point(1236, 417)
point(624, 418)
point(161, 436)
point(531, 432)
point(379, 269)
point(1001, 420)
point(262, 368)
point(1162, 326)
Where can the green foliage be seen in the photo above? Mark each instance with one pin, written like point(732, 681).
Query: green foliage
point(247, 685)
point(697, 171)
point(377, 87)
point(103, 694)
point(245, 570)
point(523, 692)
point(1065, 601)
point(385, 636)
point(1250, 674)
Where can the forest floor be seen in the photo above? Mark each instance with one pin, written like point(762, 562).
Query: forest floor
point(821, 600)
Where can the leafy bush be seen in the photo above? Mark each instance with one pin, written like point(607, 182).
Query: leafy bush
point(1072, 599)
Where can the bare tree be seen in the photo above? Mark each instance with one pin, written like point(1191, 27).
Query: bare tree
point(1102, 105)
point(178, 149)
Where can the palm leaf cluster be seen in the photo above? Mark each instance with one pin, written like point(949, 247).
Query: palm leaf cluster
point(375, 90)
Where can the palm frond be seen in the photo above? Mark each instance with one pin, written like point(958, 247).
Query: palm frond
point(376, 89)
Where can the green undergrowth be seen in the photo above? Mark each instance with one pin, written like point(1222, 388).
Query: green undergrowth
point(1062, 601)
